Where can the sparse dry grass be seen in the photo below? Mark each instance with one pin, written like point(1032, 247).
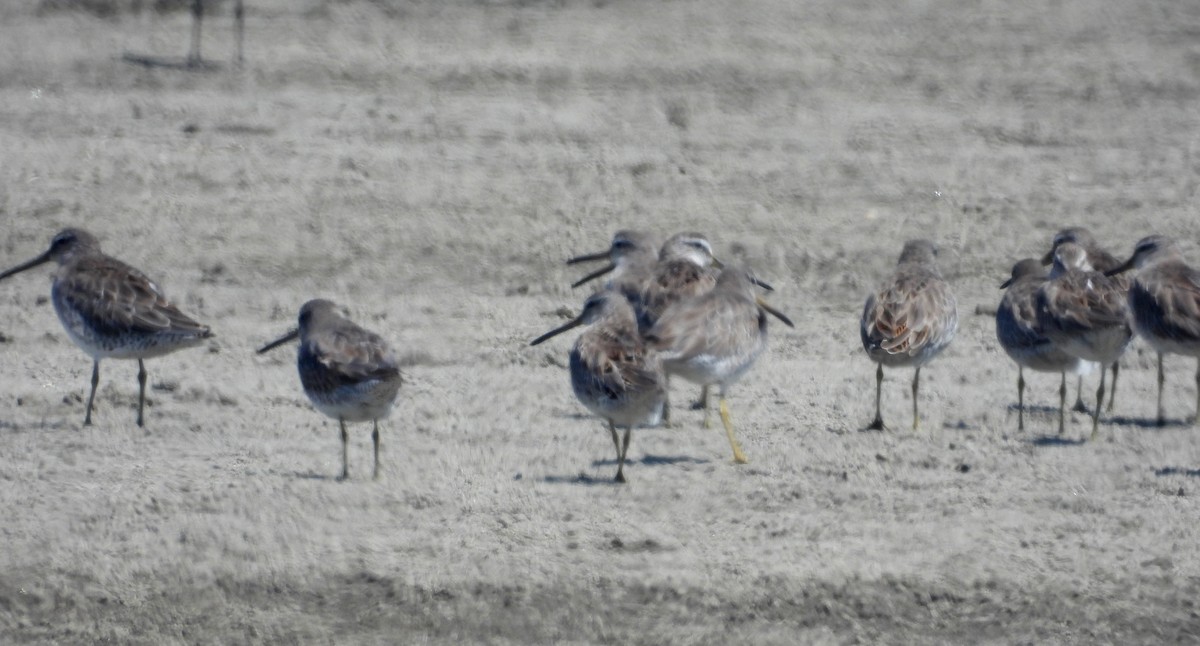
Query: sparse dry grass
point(430, 164)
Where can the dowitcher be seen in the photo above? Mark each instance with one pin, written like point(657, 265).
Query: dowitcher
point(631, 258)
point(111, 310)
point(713, 339)
point(613, 372)
point(909, 320)
point(1083, 312)
point(1164, 303)
point(1021, 336)
point(1102, 261)
point(348, 373)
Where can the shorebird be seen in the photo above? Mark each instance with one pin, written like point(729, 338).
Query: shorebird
point(1164, 303)
point(613, 372)
point(111, 310)
point(909, 320)
point(348, 373)
point(1021, 337)
point(1084, 313)
point(1100, 260)
point(713, 339)
point(631, 259)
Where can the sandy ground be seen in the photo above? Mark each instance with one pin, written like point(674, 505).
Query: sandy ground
point(430, 165)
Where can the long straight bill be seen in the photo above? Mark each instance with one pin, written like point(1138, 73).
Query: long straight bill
point(774, 312)
point(280, 341)
point(557, 331)
point(27, 265)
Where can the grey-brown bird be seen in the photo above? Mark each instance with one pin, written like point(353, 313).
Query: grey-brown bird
point(111, 310)
point(614, 374)
point(348, 373)
point(909, 320)
point(1164, 303)
point(1083, 312)
point(1021, 335)
point(1102, 261)
point(713, 339)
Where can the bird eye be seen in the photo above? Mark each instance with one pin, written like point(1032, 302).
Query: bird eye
point(622, 244)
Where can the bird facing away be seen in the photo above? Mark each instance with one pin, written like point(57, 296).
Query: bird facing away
point(1021, 337)
point(1083, 312)
point(111, 310)
point(909, 320)
point(1100, 260)
point(349, 373)
point(713, 339)
point(631, 258)
point(613, 372)
point(1164, 303)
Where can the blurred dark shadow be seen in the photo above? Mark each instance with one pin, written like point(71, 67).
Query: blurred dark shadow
point(1143, 422)
point(310, 475)
point(580, 479)
point(1056, 440)
point(1176, 471)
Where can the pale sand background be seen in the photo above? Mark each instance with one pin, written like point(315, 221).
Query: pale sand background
point(430, 165)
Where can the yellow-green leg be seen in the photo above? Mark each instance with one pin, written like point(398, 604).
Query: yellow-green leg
point(738, 456)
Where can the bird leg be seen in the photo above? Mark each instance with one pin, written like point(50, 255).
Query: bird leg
point(87, 417)
point(1099, 402)
point(375, 441)
point(1062, 404)
point(916, 387)
point(877, 425)
point(1112, 394)
point(738, 456)
point(239, 28)
point(1020, 398)
point(1162, 421)
point(345, 461)
point(197, 18)
point(666, 411)
point(1079, 406)
point(1197, 390)
point(620, 477)
point(141, 390)
point(624, 451)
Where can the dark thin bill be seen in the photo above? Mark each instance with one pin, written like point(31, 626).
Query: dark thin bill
point(591, 257)
point(776, 313)
point(557, 331)
point(28, 265)
point(594, 275)
point(280, 341)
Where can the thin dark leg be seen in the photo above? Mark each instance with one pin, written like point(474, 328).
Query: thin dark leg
point(1062, 404)
point(141, 390)
point(1099, 402)
point(345, 461)
point(620, 456)
point(1112, 393)
point(375, 441)
point(877, 425)
point(624, 450)
point(916, 387)
point(666, 414)
point(1079, 406)
point(1020, 398)
point(197, 18)
point(1197, 393)
point(239, 29)
point(1162, 421)
point(87, 417)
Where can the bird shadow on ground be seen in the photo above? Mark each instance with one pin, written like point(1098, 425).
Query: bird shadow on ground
point(1142, 422)
point(1056, 440)
point(312, 475)
point(647, 460)
point(1176, 471)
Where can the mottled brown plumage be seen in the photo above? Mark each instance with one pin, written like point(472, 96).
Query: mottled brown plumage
point(1164, 303)
point(909, 320)
point(1022, 338)
point(614, 374)
point(349, 373)
point(713, 339)
point(112, 310)
point(1084, 312)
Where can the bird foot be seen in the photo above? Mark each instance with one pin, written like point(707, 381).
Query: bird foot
point(876, 425)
